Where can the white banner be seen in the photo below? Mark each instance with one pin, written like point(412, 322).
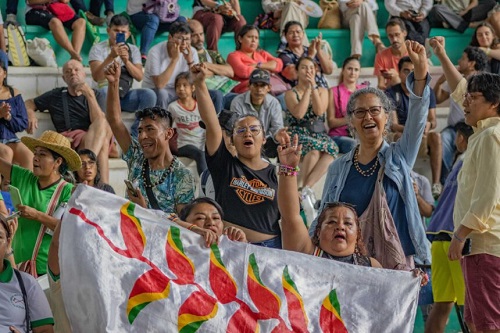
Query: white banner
point(127, 269)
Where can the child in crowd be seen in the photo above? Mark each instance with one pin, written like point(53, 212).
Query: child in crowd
point(191, 137)
point(447, 278)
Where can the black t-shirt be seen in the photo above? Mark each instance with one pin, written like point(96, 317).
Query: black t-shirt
point(78, 108)
point(247, 197)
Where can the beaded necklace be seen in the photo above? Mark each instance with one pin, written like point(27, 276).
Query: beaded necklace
point(162, 178)
point(367, 173)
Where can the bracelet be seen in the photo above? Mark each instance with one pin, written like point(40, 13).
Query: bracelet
point(11, 253)
point(461, 240)
point(191, 227)
point(285, 170)
point(190, 63)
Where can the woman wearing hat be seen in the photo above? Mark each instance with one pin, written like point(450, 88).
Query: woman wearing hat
point(42, 190)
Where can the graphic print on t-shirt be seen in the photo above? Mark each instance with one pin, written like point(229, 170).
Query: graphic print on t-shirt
point(252, 192)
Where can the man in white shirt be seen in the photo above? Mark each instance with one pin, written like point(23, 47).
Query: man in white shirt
point(414, 15)
point(103, 54)
point(167, 60)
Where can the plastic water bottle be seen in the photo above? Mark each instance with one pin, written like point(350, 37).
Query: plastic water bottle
point(308, 201)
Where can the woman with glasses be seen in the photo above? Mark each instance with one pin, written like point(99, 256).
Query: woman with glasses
point(375, 176)
point(306, 109)
point(89, 172)
point(245, 185)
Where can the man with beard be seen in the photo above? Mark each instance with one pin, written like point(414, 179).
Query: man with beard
point(161, 181)
point(76, 114)
point(386, 61)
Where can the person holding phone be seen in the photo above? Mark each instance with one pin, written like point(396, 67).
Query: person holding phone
point(41, 191)
point(128, 55)
point(414, 16)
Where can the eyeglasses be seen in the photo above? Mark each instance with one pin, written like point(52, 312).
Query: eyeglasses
point(472, 98)
point(254, 130)
point(361, 113)
point(406, 71)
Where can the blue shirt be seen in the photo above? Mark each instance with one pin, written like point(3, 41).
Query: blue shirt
point(398, 158)
point(361, 198)
point(402, 101)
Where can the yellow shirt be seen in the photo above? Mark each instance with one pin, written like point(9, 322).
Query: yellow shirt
point(459, 92)
point(477, 204)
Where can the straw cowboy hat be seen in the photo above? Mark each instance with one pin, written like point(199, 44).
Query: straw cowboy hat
point(59, 144)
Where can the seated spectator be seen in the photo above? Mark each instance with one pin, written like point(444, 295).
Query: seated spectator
point(494, 19)
point(245, 184)
point(219, 70)
point(439, 232)
point(337, 235)
point(211, 58)
point(414, 15)
point(399, 95)
point(75, 113)
point(147, 24)
point(38, 14)
point(337, 105)
point(205, 217)
point(3, 49)
point(284, 12)
point(169, 59)
point(458, 15)
point(294, 34)
point(248, 56)
point(218, 17)
point(41, 192)
point(485, 38)
point(190, 136)
point(16, 294)
point(307, 104)
point(360, 18)
point(163, 181)
point(473, 61)
point(128, 55)
point(13, 119)
point(89, 173)
point(258, 102)
point(386, 61)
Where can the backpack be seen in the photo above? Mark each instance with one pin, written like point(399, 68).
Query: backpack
point(167, 10)
point(15, 43)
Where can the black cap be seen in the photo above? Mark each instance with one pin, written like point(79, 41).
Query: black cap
point(260, 75)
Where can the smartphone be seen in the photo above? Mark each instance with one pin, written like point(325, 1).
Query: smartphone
point(467, 247)
point(130, 186)
point(120, 37)
point(15, 196)
point(413, 13)
point(10, 217)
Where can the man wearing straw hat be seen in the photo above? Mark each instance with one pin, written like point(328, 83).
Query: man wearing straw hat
point(76, 114)
point(41, 190)
point(162, 181)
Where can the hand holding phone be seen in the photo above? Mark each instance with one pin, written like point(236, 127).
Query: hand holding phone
point(130, 187)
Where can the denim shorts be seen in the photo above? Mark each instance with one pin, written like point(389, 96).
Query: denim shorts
point(274, 243)
point(13, 140)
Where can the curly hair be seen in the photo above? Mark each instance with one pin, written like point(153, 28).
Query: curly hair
point(360, 245)
point(156, 113)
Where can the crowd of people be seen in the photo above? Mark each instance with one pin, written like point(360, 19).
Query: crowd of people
point(252, 123)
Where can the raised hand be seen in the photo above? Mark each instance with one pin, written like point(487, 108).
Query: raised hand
point(112, 72)
point(437, 44)
point(418, 56)
point(173, 49)
point(289, 151)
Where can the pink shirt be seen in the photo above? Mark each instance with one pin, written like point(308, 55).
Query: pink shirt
point(341, 96)
point(242, 65)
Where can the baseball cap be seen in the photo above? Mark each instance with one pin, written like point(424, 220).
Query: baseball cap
point(260, 75)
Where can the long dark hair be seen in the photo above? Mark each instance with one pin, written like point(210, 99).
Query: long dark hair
point(243, 31)
point(4, 67)
point(360, 245)
point(475, 42)
point(93, 158)
point(344, 64)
